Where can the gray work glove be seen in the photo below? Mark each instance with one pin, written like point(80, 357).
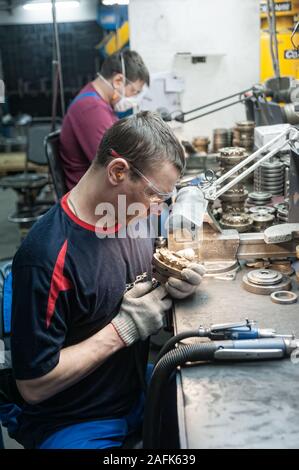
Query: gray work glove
point(141, 312)
point(179, 289)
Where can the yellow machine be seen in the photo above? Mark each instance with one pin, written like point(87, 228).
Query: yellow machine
point(287, 14)
point(115, 41)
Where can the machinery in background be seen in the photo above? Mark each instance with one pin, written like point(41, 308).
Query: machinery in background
point(277, 24)
point(234, 215)
point(274, 102)
point(221, 247)
point(114, 20)
point(163, 94)
point(276, 99)
point(221, 139)
point(270, 178)
point(250, 205)
point(243, 135)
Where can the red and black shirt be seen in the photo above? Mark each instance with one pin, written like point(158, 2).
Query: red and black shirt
point(67, 285)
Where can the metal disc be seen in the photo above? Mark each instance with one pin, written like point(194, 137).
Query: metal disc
point(260, 195)
point(263, 217)
point(272, 165)
point(256, 203)
point(284, 297)
point(274, 186)
point(272, 171)
point(264, 276)
point(261, 210)
point(267, 179)
point(285, 284)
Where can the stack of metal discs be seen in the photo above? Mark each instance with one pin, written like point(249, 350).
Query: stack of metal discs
point(201, 144)
point(243, 135)
point(259, 198)
point(270, 177)
point(262, 216)
point(233, 200)
point(285, 159)
point(262, 220)
point(265, 281)
point(220, 139)
point(282, 212)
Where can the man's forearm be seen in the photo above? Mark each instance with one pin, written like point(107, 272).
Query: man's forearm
point(75, 363)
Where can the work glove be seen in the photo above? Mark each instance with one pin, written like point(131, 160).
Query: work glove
point(192, 276)
point(141, 312)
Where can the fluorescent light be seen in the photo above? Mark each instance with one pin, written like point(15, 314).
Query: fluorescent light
point(43, 6)
point(116, 2)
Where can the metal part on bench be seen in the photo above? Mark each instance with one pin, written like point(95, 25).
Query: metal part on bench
point(253, 246)
point(259, 198)
point(262, 210)
point(284, 297)
point(261, 221)
point(264, 277)
point(265, 281)
point(281, 233)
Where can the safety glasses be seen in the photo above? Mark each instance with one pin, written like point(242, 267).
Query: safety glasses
point(151, 191)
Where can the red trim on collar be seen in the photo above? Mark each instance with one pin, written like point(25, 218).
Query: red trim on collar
point(90, 227)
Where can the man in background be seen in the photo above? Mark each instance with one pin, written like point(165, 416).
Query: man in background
point(95, 108)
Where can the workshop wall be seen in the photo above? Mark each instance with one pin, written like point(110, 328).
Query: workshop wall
point(26, 47)
point(226, 33)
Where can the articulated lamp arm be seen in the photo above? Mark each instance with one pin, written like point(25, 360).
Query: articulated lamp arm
point(212, 192)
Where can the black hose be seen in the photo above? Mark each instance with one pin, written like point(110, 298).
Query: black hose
point(162, 371)
point(174, 340)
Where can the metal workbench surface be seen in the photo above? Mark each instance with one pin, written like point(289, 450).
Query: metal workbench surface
point(238, 405)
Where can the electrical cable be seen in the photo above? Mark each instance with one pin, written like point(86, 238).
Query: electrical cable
point(170, 344)
point(161, 374)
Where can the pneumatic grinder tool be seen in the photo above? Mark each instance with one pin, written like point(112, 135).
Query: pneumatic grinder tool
point(240, 330)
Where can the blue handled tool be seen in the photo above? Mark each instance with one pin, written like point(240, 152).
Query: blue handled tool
point(242, 330)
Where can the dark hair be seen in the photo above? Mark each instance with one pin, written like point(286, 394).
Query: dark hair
point(135, 68)
point(145, 140)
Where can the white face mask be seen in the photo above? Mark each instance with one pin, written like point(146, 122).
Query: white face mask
point(126, 102)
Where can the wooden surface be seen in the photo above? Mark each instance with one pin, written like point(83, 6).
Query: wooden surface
point(14, 162)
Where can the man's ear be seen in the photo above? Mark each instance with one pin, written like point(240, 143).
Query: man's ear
point(118, 81)
point(117, 170)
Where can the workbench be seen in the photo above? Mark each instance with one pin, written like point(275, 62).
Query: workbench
point(14, 162)
point(242, 404)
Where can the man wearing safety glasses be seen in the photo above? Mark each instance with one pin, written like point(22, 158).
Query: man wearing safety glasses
point(95, 109)
point(84, 306)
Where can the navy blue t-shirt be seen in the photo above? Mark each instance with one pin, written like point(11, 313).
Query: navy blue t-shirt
point(67, 285)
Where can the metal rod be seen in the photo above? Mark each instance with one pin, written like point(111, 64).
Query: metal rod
point(210, 112)
point(217, 101)
point(55, 80)
point(58, 57)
